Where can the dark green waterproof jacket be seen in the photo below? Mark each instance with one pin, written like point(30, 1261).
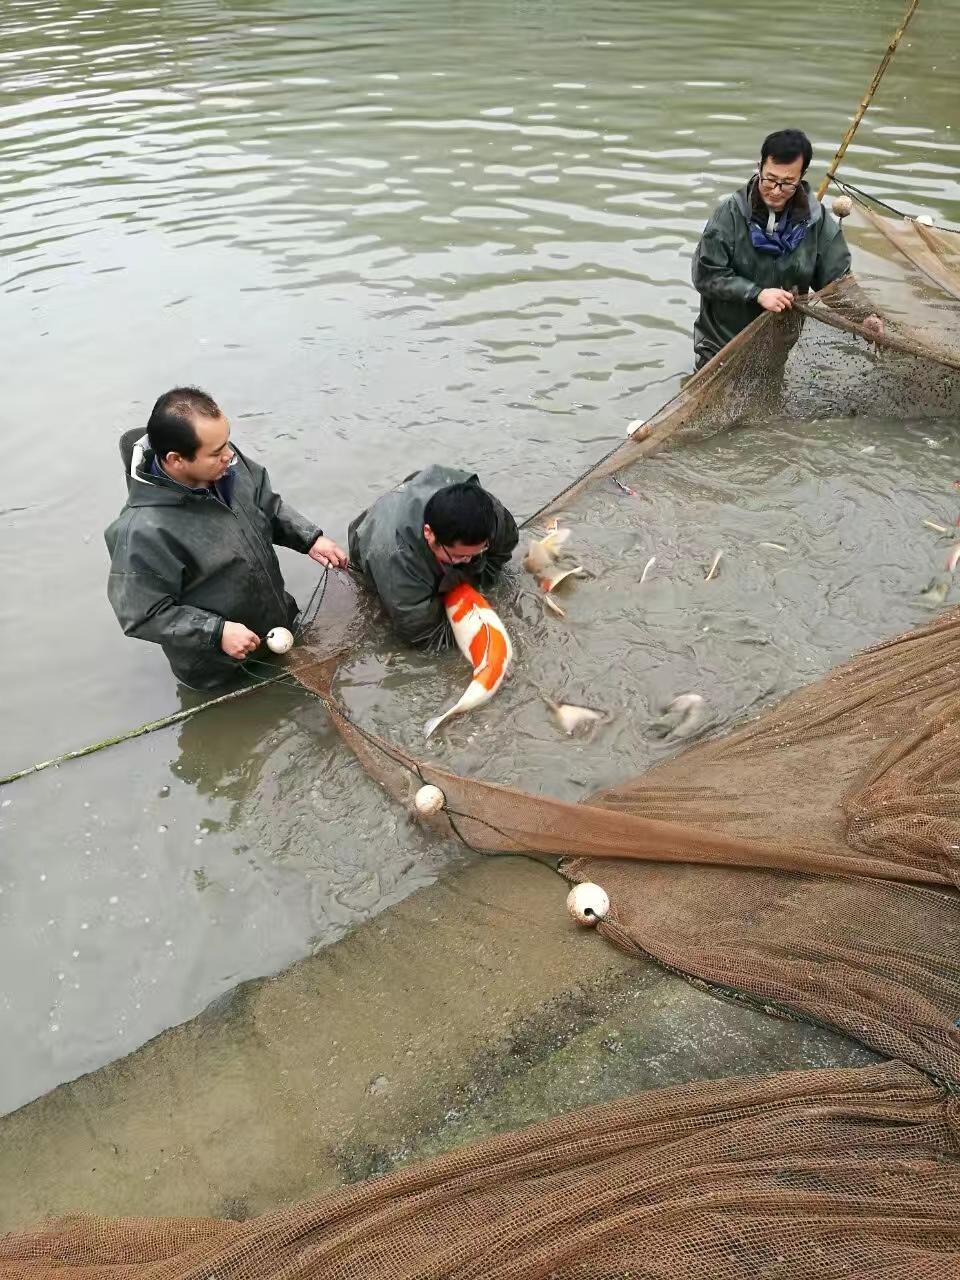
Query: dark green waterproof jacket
point(728, 272)
point(388, 547)
point(182, 562)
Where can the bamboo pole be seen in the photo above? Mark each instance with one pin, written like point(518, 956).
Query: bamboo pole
point(867, 98)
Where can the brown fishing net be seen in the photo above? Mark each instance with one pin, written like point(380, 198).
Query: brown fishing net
point(804, 1175)
point(808, 862)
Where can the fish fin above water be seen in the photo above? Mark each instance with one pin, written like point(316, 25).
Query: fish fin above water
point(714, 567)
point(433, 724)
point(550, 581)
point(571, 718)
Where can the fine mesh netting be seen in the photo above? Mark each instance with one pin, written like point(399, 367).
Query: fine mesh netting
point(807, 861)
point(803, 1175)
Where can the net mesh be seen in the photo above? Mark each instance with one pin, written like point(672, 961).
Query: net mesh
point(803, 1175)
point(809, 862)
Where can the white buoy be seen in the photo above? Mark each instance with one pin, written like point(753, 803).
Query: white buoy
point(587, 903)
point(638, 429)
point(428, 801)
point(842, 206)
point(925, 219)
point(279, 640)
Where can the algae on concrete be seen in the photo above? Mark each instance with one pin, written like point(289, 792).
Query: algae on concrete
point(471, 1007)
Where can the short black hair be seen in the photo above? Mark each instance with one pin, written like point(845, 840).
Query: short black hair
point(461, 513)
point(170, 428)
point(785, 145)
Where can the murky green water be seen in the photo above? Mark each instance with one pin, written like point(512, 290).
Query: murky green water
point(384, 235)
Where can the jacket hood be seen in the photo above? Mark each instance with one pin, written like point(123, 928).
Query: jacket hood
point(144, 489)
point(743, 200)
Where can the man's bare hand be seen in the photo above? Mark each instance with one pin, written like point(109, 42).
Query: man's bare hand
point(326, 552)
point(238, 641)
point(874, 326)
point(775, 299)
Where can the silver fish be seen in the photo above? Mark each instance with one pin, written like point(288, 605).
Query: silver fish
point(542, 553)
point(682, 717)
point(571, 718)
point(936, 592)
point(647, 567)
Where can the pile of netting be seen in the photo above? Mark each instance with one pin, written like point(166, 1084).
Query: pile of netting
point(802, 1176)
point(808, 862)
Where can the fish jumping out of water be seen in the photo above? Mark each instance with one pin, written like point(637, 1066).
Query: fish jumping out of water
point(541, 557)
point(482, 639)
point(542, 553)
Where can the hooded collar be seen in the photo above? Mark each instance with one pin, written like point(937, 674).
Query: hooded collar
point(149, 485)
point(804, 208)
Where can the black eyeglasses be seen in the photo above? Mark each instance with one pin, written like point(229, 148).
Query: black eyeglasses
point(777, 184)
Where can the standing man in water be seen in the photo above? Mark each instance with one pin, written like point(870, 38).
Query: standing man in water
point(192, 560)
point(436, 529)
point(764, 244)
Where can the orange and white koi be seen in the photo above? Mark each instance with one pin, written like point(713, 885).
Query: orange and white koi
point(482, 639)
point(953, 559)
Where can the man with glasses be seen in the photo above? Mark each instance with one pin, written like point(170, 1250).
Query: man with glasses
point(763, 245)
point(436, 529)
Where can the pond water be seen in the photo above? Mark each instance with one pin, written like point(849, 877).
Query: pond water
point(384, 235)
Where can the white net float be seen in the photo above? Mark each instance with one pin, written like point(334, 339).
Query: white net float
point(842, 206)
point(428, 801)
point(279, 640)
point(587, 903)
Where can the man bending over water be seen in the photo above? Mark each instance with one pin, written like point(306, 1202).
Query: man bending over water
point(436, 529)
point(768, 239)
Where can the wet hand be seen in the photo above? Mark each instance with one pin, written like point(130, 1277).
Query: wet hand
point(775, 299)
point(874, 326)
point(238, 641)
point(326, 552)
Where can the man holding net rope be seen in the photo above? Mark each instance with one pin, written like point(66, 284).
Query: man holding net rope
point(192, 560)
point(764, 245)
